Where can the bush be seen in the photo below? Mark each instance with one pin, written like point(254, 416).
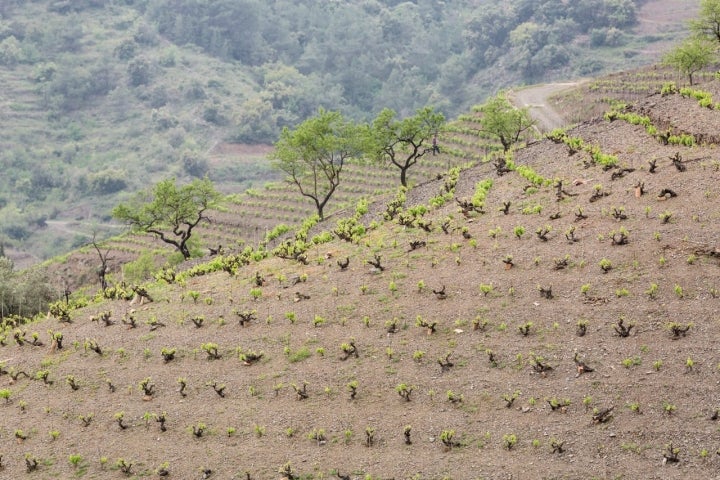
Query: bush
point(107, 181)
point(44, 72)
point(276, 232)
point(597, 37)
point(73, 86)
point(141, 269)
point(138, 72)
point(349, 229)
point(25, 294)
point(126, 50)
point(481, 190)
point(14, 225)
point(158, 97)
point(211, 114)
point(194, 163)
point(10, 52)
point(615, 37)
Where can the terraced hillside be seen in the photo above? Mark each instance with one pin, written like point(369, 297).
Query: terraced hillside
point(592, 98)
point(562, 324)
point(248, 217)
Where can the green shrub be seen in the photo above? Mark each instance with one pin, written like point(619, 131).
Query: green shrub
point(299, 355)
point(142, 269)
point(321, 238)
point(349, 229)
point(107, 181)
point(531, 176)
point(668, 88)
point(682, 139)
point(481, 190)
point(276, 232)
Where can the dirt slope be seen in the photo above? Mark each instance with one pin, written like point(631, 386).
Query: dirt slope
point(508, 337)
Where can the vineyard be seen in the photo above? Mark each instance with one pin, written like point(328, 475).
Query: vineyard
point(247, 217)
point(594, 97)
point(547, 313)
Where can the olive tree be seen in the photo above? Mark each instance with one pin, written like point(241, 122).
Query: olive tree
point(312, 156)
point(501, 119)
point(691, 56)
point(403, 142)
point(708, 21)
point(170, 212)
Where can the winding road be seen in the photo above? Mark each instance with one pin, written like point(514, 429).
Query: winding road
point(535, 98)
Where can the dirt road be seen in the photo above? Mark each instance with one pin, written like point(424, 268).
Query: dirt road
point(535, 98)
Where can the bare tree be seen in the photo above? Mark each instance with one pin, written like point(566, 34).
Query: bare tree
point(103, 269)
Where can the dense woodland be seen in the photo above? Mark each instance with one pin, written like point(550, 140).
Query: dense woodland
point(103, 98)
point(364, 56)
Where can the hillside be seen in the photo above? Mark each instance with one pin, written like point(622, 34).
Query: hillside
point(101, 100)
point(558, 330)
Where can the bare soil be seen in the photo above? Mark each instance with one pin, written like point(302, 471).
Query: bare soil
point(662, 388)
point(661, 16)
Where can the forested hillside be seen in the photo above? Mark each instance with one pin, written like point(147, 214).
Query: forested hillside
point(101, 99)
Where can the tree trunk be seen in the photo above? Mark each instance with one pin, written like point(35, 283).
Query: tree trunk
point(184, 250)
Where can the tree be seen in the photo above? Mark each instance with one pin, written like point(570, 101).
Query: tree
point(169, 212)
point(501, 119)
point(139, 71)
point(7, 282)
point(404, 142)
point(23, 293)
point(526, 40)
point(314, 154)
point(103, 269)
point(620, 13)
point(487, 28)
point(691, 56)
point(708, 21)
